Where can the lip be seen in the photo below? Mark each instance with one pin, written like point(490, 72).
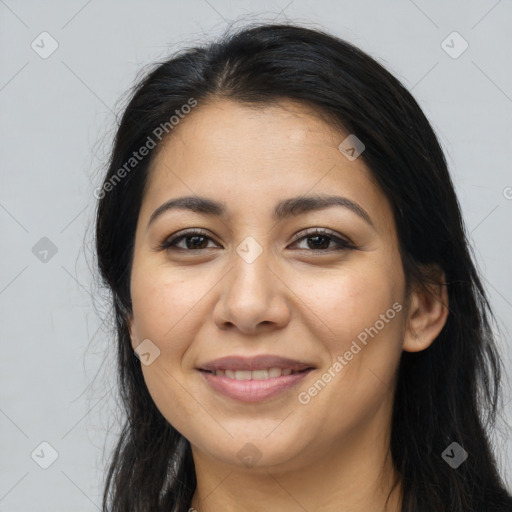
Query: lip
point(254, 363)
point(251, 391)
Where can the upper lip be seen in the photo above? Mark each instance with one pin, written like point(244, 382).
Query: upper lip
point(235, 363)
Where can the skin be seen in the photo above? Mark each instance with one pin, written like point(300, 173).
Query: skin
point(294, 300)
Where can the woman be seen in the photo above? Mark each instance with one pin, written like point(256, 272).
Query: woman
point(300, 324)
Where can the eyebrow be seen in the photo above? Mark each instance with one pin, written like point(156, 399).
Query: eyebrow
point(284, 209)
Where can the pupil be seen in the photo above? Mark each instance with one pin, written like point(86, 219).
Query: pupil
point(315, 245)
point(194, 244)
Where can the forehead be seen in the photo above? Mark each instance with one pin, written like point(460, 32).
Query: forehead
point(250, 157)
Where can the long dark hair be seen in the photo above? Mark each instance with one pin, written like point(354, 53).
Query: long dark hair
point(446, 393)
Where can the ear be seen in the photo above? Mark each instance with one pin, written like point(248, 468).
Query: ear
point(131, 327)
point(427, 313)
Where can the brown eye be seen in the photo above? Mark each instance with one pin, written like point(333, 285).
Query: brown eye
point(193, 240)
point(320, 240)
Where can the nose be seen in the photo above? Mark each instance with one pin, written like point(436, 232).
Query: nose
point(253, 297)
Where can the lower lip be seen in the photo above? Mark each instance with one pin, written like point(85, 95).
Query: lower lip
point(253, 390)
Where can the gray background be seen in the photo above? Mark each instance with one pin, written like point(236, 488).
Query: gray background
point(56, 125)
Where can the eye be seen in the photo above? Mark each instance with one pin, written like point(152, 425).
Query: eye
point(195, 240)
point(321, 238)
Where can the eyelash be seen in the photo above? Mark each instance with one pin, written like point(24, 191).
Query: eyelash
point(170, 243)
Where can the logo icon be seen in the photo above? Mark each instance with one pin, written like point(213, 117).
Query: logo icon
point(454, 45)
point(454, 455)
point(249, 249)
point(44, 455)
point(147, 352)
point(351, 147)
point(249, 454)
point(44, 45)
point(44, 250)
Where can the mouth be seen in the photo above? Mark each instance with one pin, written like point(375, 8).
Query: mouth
point(260, 374)
point(255, 378)
point(254, 386)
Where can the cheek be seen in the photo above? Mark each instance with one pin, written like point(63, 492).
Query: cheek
point(357, 318)
point(166, 309)
point(358, 322)
point(164, 302)
point(342, 305)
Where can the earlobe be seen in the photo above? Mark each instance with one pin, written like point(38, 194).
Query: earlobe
point(427, 314)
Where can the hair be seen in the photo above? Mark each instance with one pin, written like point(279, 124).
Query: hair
point(446, 393)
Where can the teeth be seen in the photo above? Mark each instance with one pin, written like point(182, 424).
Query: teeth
point(259, 374)
point(263, 374)
point(274, 372)
point(243, 375)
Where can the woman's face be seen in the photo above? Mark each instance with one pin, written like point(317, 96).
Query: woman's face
point(257, 281)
